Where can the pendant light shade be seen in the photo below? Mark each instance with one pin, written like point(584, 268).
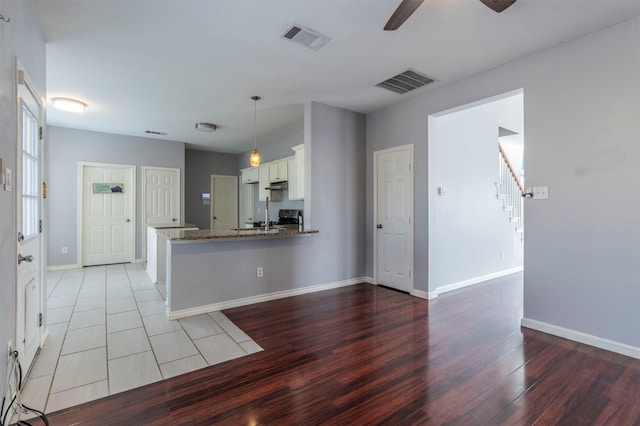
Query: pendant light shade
point(254, 159)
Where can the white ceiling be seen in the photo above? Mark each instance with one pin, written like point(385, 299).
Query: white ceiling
point(164, 65)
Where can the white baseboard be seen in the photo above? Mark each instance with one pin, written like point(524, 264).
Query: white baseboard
point(580, 337)
point(370, 280)
point(476, 280)
point(181, 313)
point(424, 294)
point(63, 267)
point(77, 266)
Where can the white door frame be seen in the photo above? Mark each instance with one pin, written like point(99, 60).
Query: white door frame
point(80, 191)
point(21, 78)
point(376, 154)
point(143, 202)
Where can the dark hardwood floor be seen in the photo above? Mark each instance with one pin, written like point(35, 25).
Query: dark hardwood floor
point(368, 355)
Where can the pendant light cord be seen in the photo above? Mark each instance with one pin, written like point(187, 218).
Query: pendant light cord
point(255, 122)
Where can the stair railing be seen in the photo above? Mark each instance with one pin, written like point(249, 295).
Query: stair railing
point(510, 190)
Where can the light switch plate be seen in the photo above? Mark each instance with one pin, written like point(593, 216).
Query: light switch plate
point(540, 192)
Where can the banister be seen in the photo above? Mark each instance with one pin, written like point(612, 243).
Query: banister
point(513, 174)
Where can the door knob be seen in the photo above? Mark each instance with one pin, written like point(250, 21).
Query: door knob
point(22, 258)
point(214, 218)
point(173, 219)
point(379, 226)
point(128, 220)
point(20, 236)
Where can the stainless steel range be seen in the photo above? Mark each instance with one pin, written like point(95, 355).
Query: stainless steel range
point(290, 218)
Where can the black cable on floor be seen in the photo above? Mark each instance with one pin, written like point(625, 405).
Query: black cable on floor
point(40, 414)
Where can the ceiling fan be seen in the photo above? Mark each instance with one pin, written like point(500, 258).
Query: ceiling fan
point(407, 7)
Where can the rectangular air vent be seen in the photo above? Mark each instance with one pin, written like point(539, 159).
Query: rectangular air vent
point(406, 81)
point(153, 132)
point(305, 36)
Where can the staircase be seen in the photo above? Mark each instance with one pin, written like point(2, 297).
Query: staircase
point(509, 189)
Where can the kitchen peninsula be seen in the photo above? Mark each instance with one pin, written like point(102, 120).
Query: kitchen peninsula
point(200, 267)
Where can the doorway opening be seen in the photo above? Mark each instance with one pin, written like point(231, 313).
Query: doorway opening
point(476, 172)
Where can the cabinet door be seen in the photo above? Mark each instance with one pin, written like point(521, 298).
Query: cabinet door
point(296, 174)
point(293, 181)
point(278, 171)
point(263, 182)
point(282, 170)
point(246, 204)
point(250, 175)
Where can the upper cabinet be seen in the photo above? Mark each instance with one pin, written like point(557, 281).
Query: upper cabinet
point(250, 175)
point(278, 171)
point(289, 169)
point(296, 174)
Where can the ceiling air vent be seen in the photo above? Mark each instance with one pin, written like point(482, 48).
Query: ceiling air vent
point(406, 81)
point(153, 132)
point(309, 38)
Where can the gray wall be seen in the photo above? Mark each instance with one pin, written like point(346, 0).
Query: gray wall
point(470, 230)
point(199, 166)
point(70, 146)
point(222, 271)
point(582, 246)
point(20, 38)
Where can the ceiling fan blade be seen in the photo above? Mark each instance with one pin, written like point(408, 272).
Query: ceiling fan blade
point(498, 5)
point(406, 8)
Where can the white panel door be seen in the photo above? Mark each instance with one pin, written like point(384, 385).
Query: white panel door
point(394, 213)
point(28, 190)
point(161, 195)
point(107, 218)
point(224, 202)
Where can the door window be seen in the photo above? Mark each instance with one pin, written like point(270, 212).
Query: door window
point(29, 173)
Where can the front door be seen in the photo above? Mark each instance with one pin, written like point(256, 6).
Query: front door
point(107, 214)
point(28, 187)
point(224, 202)
point(394, 213)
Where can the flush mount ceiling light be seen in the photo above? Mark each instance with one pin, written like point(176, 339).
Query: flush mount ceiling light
point(254, 159)
point(68, 104)
point(206, 127)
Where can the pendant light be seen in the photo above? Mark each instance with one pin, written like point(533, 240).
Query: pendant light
point(254, 159)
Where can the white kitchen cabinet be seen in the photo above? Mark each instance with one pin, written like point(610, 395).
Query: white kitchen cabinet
point(264, 183)
point(278, 171)
point(250, 175)
point(245, 210)
point(296, 174)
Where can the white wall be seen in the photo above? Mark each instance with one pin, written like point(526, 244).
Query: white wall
point(582, 246)
point(20, 38)
point(70, 146)
point(470, 232)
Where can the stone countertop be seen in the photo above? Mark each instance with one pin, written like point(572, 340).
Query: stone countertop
point(172, 225)
point(205, 235)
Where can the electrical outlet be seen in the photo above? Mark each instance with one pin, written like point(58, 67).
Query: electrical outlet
point(9, 347)
point(259, 272)
point(65, 250)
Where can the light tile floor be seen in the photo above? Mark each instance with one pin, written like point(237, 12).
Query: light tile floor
point(109, 332)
